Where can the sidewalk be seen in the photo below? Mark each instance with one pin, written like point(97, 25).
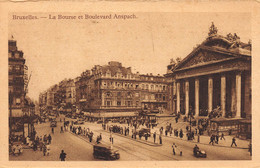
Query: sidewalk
point(241, 144)
point(142, 140)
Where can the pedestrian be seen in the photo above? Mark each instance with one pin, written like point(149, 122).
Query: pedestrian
point(45, 138)
point(44, 150)
point(173, 148)
point(198, 138)
point(181, 133)
point(140, 135)
point(49, 139)
point(52, 130)
point(146, 136)
point(48, 149)
point(217, 138)
point(154, 136)
point(250, 148)
point(222, 136)
point(160, 138)
point(34, 145)
point(166, 132)
point(61, 129)
point(41, 145)
point(211, 140)
point(233, 141)
point(62, 155)
point(111, 139)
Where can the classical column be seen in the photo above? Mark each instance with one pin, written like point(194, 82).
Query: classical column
point(178, 97)
point(187, 98)
point(174, 94)
point(238, 95)
point(223, 95)
point(210, 93)
point(197, 105)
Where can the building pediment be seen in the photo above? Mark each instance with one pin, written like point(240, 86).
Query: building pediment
point(201, 57)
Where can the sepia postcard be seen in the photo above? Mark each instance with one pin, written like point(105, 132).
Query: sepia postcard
point(129, 84)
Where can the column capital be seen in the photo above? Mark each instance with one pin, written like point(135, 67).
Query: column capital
point(238, 72)
point(223, 75)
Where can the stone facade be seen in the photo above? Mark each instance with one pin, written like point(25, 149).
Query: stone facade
point(215, 74)
point(114, 88)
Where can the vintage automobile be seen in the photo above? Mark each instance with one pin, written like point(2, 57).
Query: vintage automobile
point(144, 131)
point(53, 124)
point(101, 151)
point(99, 121)
point(79, 122)
point(199, 153)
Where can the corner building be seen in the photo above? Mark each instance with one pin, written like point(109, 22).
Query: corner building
point(115, 91)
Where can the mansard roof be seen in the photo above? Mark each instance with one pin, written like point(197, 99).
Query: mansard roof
point(116, 69)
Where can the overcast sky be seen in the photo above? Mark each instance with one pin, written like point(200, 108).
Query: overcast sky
point(58, 49)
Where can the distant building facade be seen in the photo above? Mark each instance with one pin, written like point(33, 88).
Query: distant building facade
point(113, 90)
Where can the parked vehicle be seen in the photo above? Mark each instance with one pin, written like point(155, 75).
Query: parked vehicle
point(79, 122)
point(101, 151)
point(199, 153)
point(144, 131)
point(99, 122)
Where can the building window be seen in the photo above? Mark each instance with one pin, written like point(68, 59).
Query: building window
point(17, 67)
point(129, 103)
point(163, 87)
point(18, 101)
point(109, 103)
point(136, 86)
point(147, 87)
point(118, 103)
point(152, 97)
point(137, 103)
point(17, 55)
point(164, 98)
point(129, 94)
point(136, 94)
point(118, 94)
point(108, 94)
point(152, 87)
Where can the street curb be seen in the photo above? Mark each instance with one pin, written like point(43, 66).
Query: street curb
point(82, 138)
point(205, 143)
point(150, 144)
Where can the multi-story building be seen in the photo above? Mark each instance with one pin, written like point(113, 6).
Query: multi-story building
point(113, 90)
point(17, 80)
point(16, 64)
